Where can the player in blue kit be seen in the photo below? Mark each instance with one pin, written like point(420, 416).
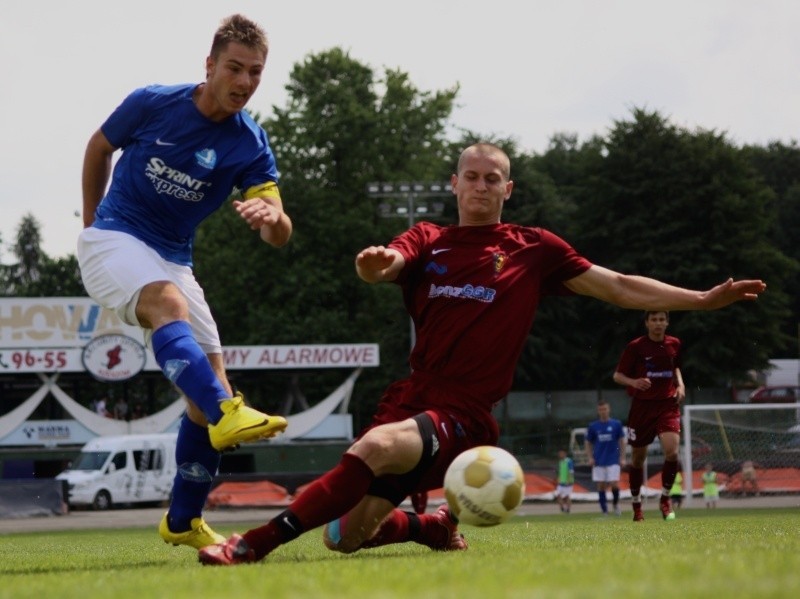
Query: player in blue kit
point(185, 150)
point(605, 448)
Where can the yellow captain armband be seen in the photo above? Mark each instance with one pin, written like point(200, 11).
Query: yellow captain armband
point(264, 190)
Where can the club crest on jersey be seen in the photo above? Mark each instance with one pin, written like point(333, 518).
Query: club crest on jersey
point(206, 158)
point(499, 261)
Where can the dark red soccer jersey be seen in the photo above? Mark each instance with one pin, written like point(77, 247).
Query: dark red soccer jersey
point(472, 293)
point(656, 360)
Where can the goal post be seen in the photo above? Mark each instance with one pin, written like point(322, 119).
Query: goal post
point(729, 436)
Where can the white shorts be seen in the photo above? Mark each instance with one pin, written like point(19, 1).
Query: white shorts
point(116, 266)
point(563, 490)
point(605, 474)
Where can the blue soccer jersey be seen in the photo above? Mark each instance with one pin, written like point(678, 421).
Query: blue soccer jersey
point(177, 167)
point(604, 437)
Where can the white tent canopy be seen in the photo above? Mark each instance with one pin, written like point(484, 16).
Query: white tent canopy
point(300, 424)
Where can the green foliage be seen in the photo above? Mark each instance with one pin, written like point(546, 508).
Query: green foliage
point(336, 134)
point(682, 207)
point(35, 274)
point(778, 165)
point(730, 552)
point(649, 197)
point(686, 207)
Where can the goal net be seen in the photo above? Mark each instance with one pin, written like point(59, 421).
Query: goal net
point(754, 448)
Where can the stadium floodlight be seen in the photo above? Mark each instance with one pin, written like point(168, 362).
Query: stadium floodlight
point(410, 200)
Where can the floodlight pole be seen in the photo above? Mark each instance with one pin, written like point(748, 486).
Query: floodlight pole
point(412, 193)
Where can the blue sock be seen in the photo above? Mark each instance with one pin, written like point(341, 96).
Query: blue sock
point(197, 462)
point(603, 501)
point(185, 364)
point(615, 495)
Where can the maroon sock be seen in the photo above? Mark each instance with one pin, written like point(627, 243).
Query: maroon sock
point(431, 529)
point(636, 478)
point(420, 502)
point(668, 472)
point(329, 497)
point(394, 529)
point(401, 527)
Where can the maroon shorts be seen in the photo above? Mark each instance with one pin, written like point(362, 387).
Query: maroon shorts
point(648, 418)
point(445, 434)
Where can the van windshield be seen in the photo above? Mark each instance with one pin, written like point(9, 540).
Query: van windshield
point(91, 460)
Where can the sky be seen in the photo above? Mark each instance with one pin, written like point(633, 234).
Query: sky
point(527, 69)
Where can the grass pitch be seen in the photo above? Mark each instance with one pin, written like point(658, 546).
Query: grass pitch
point(722, 553)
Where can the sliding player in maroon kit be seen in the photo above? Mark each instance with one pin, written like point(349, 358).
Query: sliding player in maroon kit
point(472, 291)
point(650, 369)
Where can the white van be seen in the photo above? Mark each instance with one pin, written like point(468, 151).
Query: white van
point(122, 469)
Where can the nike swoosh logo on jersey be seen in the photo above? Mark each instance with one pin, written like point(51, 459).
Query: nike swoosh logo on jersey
point(434, 252)
point(164, 143)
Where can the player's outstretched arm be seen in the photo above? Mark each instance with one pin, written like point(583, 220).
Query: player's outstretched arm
point(643, 293)
point(378, 263)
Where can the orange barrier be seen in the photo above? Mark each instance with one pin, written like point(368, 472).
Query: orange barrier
point(248, 494)
point(537, 486)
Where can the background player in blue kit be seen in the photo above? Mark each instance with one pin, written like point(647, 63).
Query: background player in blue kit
point(185, 150)
point(605, 448)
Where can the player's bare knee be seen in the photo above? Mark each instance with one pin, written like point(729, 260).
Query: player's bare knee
point(161, 302)
point(374, 447)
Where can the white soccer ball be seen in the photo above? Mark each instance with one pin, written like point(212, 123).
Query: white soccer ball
point(484, 486)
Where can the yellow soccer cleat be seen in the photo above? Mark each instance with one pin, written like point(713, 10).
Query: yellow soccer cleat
point(241, 424)
point(198, 537)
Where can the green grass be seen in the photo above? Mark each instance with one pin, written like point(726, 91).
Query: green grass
point(723, 553)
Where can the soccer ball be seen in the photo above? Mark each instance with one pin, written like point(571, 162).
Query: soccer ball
point(484, 486)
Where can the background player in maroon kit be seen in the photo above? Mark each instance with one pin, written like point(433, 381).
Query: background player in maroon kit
point(650, 369)
point(472, 290)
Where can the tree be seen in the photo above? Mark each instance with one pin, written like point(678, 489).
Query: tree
point(35, 274)
point(28, 250)
point(58, 277)
point(683, 207)
point(341, 128)
point(779, 167)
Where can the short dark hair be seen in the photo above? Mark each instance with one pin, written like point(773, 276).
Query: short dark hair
point(239, 29)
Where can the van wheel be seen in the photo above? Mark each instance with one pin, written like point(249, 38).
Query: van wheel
point(102, 501)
